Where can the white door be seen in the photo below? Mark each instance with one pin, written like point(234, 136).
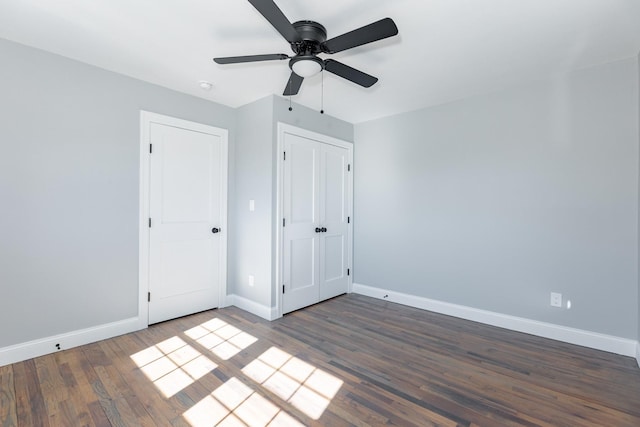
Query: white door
point(315, 233)
point(187, 201)
point(301, 240)
point(333, 219)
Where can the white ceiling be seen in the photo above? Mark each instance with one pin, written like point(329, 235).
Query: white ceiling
point(445, 50)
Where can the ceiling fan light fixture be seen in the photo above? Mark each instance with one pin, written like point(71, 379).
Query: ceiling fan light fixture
point(306, 66)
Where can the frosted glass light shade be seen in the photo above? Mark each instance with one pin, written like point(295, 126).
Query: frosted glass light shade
point(306, 67)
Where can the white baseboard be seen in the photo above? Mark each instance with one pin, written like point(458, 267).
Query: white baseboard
point(268, 313)
point(638, 353)
point(40, 347)
point(227, 301)
point(613, 344)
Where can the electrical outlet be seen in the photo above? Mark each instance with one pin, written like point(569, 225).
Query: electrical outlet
point(251, 280)
point(556, 299)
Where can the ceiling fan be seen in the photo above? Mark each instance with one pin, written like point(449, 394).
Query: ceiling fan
point(307, 40)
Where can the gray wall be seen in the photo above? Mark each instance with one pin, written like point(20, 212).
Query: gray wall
point(495, 201)
point(256, 179)
point(251, 246)
point(306, 118)
point(69, 135)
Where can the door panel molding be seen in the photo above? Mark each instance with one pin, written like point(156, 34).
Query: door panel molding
point(280, 252)
point(146, 120)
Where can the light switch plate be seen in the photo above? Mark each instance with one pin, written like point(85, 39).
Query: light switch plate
point(556, 299)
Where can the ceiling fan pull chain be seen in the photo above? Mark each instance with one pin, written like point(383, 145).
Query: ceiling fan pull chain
point(290, 107)
point(322, 93)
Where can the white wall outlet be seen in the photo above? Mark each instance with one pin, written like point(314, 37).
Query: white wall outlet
point(556, 299)
point(252, 205)
point(251, 280)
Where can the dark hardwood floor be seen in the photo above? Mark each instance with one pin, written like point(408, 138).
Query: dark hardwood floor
point(352, 360)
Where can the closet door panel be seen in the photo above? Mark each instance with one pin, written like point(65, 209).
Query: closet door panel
point(301, 212)
point(333, 217)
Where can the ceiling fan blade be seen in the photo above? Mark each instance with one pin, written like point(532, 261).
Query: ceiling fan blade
point(369, 33)
point(249, 58)
point(293, 85)
point(349, 73)
point(274, 15)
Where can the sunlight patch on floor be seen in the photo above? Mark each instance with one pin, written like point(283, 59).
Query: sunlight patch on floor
point(221, 338)
point(236, 404)
point(295, 381)
point(172, 365)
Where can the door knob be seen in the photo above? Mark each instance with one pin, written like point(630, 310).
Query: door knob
point(215, 230)
point(324, 229)
point(318, 230)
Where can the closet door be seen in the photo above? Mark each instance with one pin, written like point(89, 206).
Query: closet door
point(301, 214)
point(315, 233)
point(333, 217)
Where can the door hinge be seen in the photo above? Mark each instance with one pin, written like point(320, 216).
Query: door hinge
point(150, 148)
point(348, 272)
point(348, 220)
point(283, 289)
point(149, 222)
point(284, 155)
point(148, 296)
point(349, 168)
point(283, 222)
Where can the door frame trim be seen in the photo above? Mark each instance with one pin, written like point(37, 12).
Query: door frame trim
point(146, 118)
point(282, 129)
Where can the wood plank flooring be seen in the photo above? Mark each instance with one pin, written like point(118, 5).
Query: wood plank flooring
point(352, 360)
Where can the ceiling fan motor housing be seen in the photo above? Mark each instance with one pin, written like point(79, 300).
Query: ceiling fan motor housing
point(312, 34)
